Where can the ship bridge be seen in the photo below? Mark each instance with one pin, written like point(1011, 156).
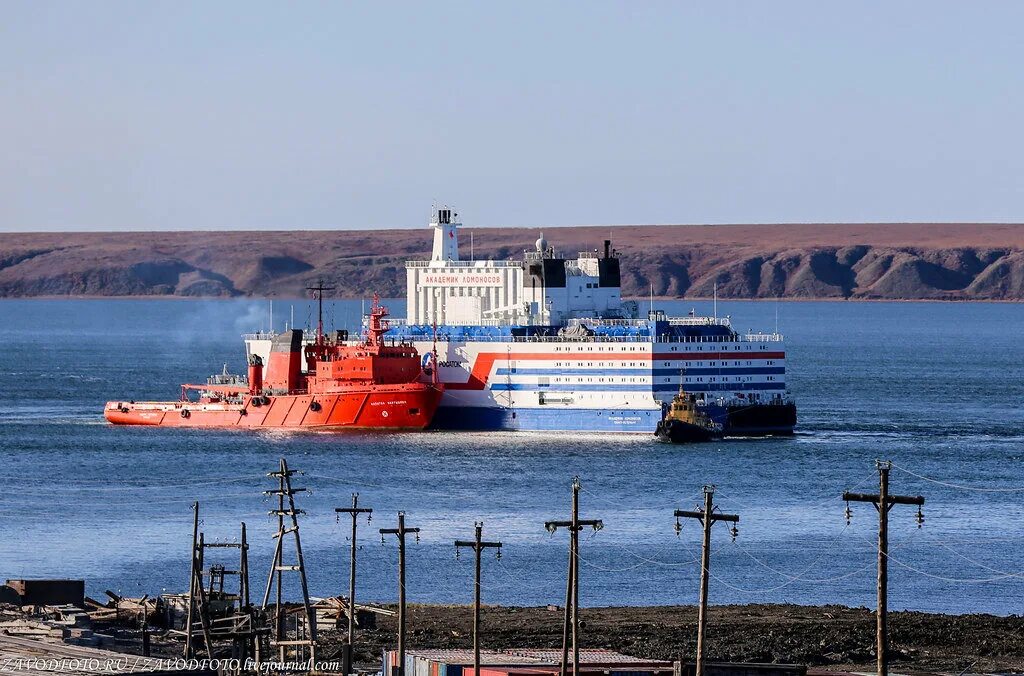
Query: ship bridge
point(541, 289)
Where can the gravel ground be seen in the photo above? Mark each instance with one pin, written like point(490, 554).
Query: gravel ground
point(832, 637)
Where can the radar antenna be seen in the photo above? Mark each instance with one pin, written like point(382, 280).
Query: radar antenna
point(318, 293)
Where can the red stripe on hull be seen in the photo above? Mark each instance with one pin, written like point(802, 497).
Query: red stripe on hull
point(394, 407)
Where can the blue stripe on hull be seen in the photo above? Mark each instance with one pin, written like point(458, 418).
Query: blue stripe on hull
point(641, 371)
point(545, 419)
point(633, 387)
point(559, 419)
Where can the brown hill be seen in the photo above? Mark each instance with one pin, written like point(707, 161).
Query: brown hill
point(881, 261)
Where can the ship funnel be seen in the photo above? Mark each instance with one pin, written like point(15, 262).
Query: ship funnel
point(284, 372)
point(255, 375)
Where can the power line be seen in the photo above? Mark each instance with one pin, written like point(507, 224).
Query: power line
point(961, 580)
point(400, 533)
point(355, 511)
point(825, 498)
point(478, 545)
point(958, 486)
point(788, 582)
point(617, 504)
point(655, 562)
point(708, 517)
point(813, 563)
point(572, 585)
point(883, 502)
point(588, 564)
point(979, 564)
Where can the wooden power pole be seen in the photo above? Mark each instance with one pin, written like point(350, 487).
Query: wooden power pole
point(354, 511)
point(883, 502)
point(400, 533)
point(196, 589)
point(708, 517)
point(285, 491)
point(572, 592)
point(478, 545)
point(241, 631)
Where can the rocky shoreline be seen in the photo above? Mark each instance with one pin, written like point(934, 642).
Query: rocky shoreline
point(902, 261)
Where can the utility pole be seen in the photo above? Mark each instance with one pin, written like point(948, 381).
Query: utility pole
point(196, 589)
point(354, 511)
point(192, 581)
point(572, 593)
point(244, 602)
point(478, 546)
point(283, 491)
point(241, 631)
point(400, 533)
point(883, 502)
point(708, 517)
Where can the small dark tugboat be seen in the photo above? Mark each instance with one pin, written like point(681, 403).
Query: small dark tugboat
point(686, 422)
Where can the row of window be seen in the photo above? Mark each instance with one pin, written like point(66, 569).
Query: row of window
point(723, 379)
point(610, 380)
point(590, 363)
point(581, 348)
point(623, 364)
point(769, 362)
point(724, 348)
point(467, 292)
point(634, 348)
point(642, 379)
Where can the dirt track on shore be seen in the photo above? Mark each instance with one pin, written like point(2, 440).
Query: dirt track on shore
point(832, 637)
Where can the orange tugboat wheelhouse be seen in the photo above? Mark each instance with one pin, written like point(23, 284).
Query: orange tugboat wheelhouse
point(322, 384)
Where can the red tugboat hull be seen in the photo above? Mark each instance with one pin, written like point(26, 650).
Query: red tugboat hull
point(409, 406)
point(321, 385)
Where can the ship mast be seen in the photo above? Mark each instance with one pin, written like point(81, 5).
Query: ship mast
point(378, 326)
point(318, 293)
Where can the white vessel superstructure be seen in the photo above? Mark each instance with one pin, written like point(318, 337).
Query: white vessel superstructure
point(546, 342)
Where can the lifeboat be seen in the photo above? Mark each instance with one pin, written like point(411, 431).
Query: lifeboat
point(322, 384)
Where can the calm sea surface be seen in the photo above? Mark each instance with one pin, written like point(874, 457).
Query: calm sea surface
point(938, 388)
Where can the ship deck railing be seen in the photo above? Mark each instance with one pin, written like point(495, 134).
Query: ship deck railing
point(699, 321)
point(762, 337)
point(444, 337)
point(469, 336)
point(482, 265)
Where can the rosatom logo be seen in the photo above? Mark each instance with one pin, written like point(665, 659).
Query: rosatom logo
point(451, 363)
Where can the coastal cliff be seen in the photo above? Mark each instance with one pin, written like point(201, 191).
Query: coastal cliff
point(835, 261)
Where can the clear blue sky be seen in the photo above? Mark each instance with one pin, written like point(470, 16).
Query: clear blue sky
point(175, 115)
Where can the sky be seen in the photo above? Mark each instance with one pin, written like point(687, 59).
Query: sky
point(127, 115)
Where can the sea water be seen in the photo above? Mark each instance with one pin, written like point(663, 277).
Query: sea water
point(937, 388)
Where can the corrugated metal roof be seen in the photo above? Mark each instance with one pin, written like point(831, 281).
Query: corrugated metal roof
point(465, 656)
point(531, 657)
point(587, 656)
